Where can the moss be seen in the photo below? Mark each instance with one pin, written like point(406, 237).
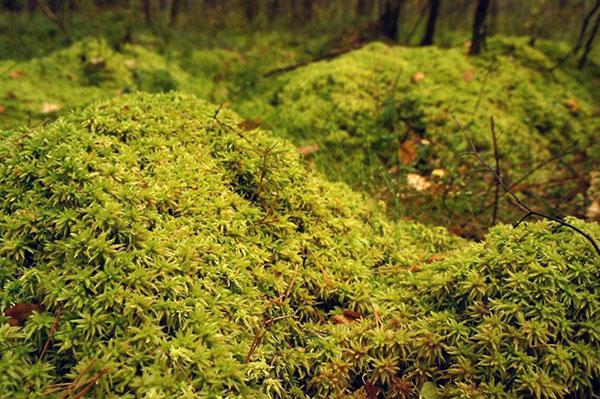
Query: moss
point(361, 108)
point(513, 316)
point(89, 70)
point(166, 238)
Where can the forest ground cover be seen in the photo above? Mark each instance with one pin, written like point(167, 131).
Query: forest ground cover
point(184, 214)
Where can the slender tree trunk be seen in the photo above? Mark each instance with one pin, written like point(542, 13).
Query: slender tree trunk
point(274, 9)
point(147, 6)
point(434, 10)
point(589, 44)
point(251, 10)
point(174, 12)
point(11, 5)
point(388, 20)
point(31, 7)
point(479, 28)
point(364, 8)
point(307, 10)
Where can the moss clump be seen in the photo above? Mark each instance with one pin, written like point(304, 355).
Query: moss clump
point(74, 77)
point(161, 239)
point(514, 316)
point(382, 113)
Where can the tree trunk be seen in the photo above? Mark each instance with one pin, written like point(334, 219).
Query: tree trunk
point(388, 20)
point(307, 10)
point(479, 28)
point(147, 6)
point(589, 44)
point(11, 5)
point(251, 10)
point(273, 10)
point(434, 10)
point(174, 12)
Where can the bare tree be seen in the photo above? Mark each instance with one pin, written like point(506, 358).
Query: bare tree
point(479, 28)
point(434, 10)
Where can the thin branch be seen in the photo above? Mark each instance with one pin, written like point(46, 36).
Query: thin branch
point(497, 171)
point(52, 331)
point(529, 212)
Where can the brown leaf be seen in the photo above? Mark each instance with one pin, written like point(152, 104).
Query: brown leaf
point(407, 152)
point(16, 74)
point(593, 211)
point(351, 314)
point(417, 77)
point(18, 313)
point(572, 105)
point(468, 75)
point(2, 109)
point(340, 319)
point(309, 149)
point(249, 125)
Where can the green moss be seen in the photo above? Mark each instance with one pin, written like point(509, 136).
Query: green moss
point(363, 106)
point(165, 236)
point(74, 77)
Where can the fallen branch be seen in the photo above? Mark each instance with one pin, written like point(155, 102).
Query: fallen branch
point(325, 56)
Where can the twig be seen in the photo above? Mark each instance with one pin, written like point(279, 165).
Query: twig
point(529, 212)
point(91, 382)
point(497, 171)
point(52, 331)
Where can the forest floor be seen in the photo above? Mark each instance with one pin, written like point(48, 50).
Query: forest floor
point(325, 226)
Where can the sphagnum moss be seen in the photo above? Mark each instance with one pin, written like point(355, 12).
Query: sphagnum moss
point(175, 255)
point(160, 238)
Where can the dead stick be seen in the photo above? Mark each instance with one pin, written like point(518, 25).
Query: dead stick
point(52, 331)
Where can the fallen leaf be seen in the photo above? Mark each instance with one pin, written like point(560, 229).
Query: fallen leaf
point(130, 64)
point(417, 77)
point(572, 105)
point(48, 108)
point(407, 152)
point(249, 124)
point(309, 149)
point(18, 313)
point(593, 211)
point(418, 182)
point(340, 319)
point(351, 314)
point(468, 75)
point(97, 61)
point(2, 109)
point(16, 74)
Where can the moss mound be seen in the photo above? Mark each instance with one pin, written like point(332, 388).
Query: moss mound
point(149, 241)
point(89, 70)
point(394, 120)
point(514, 316)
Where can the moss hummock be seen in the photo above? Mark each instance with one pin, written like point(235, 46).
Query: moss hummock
point(163, 236)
